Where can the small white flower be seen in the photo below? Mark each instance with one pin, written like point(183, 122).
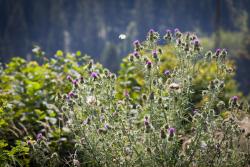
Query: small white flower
point(122, 36)
point(174, 86)
point(36, 49)
point(203, 145)
point(91, 100)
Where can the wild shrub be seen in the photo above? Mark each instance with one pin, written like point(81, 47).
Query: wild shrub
point(163, 127)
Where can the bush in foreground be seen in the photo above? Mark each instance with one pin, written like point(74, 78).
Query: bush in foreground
point(163, 127)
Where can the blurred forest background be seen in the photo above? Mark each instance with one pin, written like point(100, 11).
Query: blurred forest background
point(93, 27)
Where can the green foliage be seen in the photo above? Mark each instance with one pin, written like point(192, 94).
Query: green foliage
point(17, 155)
point(29, 95)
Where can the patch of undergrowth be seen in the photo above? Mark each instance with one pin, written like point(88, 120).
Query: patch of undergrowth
point(29, 93)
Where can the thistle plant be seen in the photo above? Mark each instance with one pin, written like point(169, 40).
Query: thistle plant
point(162, 127)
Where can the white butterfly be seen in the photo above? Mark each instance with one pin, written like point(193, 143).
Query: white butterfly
point(122, 36)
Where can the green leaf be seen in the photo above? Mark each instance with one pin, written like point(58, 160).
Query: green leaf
point(59, 53)
point(78, 53)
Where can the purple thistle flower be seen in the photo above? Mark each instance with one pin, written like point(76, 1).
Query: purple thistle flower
point(136, 43)
point(168, 31)
point(71, 94)
point(94, 75)
point(151, 31)
point(75, 81)
point(217, 52)
point(39, 136)
point(154, 53)
point(136, 54)
point(166, 72)
point(176, 30)
point(171, 131)
point(29, 142)
point(196, 42)
point(148, 64)
point(234, 98)
point(69, 78)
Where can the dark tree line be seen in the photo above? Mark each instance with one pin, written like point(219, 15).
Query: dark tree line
point(93, 26)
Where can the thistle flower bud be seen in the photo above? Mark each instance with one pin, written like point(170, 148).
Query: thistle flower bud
point(148, 149)
point(151, 96)
point(160, 51)
point(131, 58)
point(81, 80)
point(160, 100)
point(113, 76)
point(208, 55)
point(154, 82)
point(211, 86)
point(186, 49)
point(223, 54)
point(90, 65)
point(163, 134)
point(144, 97)
point(166, 126)
point(178, 42)
point(221, 105)
point(177, 33)
point(168, 35)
